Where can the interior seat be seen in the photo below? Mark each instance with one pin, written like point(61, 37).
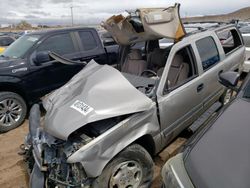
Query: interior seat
point(179, 71)
point(157, 61)
point(134, 64)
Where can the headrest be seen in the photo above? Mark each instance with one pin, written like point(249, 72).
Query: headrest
point(157, 57)
point(135, 54)
point(177, 61)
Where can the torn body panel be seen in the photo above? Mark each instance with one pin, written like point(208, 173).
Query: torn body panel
point(147, 24)
point(98, 92)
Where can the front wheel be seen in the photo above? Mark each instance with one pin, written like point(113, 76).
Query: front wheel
point(132, 168)
point(13, 111)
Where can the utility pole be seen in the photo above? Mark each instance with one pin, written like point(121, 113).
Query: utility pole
point(72, 19)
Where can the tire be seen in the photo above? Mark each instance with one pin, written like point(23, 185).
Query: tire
point(130, 158)
point(226, 97)
point(13, 110)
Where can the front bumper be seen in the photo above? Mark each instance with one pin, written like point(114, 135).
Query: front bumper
point(48, 154)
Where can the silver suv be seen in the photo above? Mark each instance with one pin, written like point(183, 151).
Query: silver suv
point(102, 128)
point(246, 37)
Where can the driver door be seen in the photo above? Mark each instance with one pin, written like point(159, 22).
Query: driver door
point(180, 92)
point(48, 76)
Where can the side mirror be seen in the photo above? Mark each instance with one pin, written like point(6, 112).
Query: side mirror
point(109, 42)
point(41, 57)
point(229, 79)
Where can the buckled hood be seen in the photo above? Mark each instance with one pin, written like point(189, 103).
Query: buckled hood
point(97, 92)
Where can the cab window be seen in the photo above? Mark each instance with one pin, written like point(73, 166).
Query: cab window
point(61, 44)
point(88, 40)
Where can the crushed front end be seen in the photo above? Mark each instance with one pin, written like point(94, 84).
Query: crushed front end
point(47, 156)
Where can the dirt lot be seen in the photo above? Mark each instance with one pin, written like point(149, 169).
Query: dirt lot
point(13, 173)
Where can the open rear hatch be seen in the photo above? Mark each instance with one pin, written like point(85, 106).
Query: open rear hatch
point(146, 24)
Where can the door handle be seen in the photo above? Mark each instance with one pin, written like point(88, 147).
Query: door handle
point(221, 71)
point(200, 87)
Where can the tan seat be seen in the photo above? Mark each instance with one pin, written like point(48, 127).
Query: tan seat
point(157, 60)
point(178, 72)
point(134, 64)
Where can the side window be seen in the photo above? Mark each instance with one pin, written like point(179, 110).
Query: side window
point(229, 39)
point(182, 69)
point(208, 52)
point(61, 44)
point(88, 40)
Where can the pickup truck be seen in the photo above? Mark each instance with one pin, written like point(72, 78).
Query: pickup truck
point(102, 128)
point(27, 73)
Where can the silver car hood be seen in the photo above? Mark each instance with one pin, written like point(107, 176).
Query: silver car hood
point(97, 92)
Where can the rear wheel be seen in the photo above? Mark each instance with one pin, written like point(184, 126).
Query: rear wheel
point(132, 168)
point(13, 111)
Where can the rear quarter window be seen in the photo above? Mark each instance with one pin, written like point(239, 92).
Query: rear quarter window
point(88, 40)
point(208, 52)
point(230, 40)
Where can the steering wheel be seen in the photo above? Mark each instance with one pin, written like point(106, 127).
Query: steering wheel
point(149, 72)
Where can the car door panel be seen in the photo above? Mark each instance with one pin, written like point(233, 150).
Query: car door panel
point(180, 107)
point(210, 72)
point(51, 75)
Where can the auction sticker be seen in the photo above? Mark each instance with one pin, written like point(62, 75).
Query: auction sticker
point(81, 107)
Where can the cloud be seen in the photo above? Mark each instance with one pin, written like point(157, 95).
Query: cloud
point(94, 11)
point(40, 13)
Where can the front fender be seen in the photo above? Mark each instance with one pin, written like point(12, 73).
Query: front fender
point(96, 155)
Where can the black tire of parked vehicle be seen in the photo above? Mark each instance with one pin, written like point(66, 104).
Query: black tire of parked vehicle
point(135, 153)
point(226, 97)
point(13, 106)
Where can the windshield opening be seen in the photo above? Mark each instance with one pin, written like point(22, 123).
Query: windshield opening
point(18, 48)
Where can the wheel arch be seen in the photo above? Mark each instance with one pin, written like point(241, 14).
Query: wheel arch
point(147, 142)
point(11, 87)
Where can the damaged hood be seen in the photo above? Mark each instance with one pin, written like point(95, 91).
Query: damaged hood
point(97, 92)
point(146, 24)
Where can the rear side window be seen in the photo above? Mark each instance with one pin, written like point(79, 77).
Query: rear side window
point(88, 40)
point(230, 40)
point(61, 44)
point(208, 52)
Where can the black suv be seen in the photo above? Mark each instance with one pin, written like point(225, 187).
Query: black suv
point(27, 72)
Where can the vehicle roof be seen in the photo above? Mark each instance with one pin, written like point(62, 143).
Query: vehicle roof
point(54, 31)
point(222, 152)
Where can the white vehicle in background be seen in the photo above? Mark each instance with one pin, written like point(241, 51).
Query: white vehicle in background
point(245, 31)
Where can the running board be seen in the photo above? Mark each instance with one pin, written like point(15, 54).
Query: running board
point(204, 117)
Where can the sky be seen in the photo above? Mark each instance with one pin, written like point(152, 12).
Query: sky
point(58, 12)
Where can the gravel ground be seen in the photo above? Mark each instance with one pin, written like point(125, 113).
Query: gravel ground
point(13, 172)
